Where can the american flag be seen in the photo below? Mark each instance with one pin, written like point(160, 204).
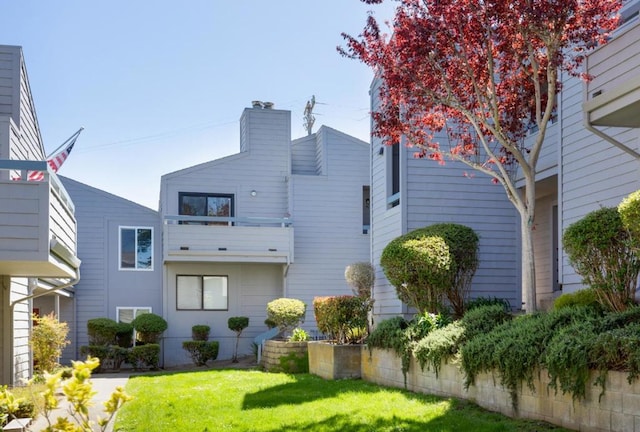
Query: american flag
point(55, 161)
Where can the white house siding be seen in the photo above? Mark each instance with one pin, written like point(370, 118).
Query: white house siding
point(250, 288)
point(595, 174)
point(16, 102)
point(327, 212)
point(103, 287)
point(21, 329)
point(303, 156)
point(441, 193)
point(264, 167)
point(543, 244)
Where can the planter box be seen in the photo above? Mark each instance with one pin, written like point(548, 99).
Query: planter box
point(331, 361)
point(275, 350)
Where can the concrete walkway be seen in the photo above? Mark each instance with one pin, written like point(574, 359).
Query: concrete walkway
point(104, 385)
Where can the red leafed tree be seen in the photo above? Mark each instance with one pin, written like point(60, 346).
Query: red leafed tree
point(484, 71)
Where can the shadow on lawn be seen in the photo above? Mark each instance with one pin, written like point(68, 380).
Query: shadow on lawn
point(306, 388)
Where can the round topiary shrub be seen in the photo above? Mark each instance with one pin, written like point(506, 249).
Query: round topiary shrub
point(102, 331)
point(360, 276)
point(629, 210)
point(149, 327)
point(342, 318)
point(286, 313)
point(430, 264)
point(200, 332)
point(601, 250)
point(124, 335)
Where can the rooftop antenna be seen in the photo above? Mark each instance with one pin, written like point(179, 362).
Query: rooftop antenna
point(309, 118)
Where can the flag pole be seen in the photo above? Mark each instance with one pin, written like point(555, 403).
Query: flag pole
point(75, 135)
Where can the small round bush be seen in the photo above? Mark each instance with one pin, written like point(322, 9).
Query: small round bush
point(286, 313)
point(149, 327)
point(237, 324)
point(124, 335)
point(360, 276)
point(629, 210)
point(200, 332)
point(102, 331)
point(430, 264)
point(339, 316)
point(600, 249)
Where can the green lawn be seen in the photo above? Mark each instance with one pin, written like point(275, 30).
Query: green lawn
point(250, 400)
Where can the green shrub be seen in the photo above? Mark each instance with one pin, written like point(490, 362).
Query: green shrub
point(149, 327)
point(616, 320)
point(629, 210)
point(618, 349)
point(237, 324)
point(360, 276)
point(48, 338)
point(101, 352)
point(339, 316)
point(583, 297)
point(482, 319)
point(102, 331)
point(145, 356)
point(488, 301)
point(516, 348)
point(299, 335)
point(567, 357)
point(439, 345)
point(124, 335)
point(201, 351)
point(430, 264)
point(286, 313)
point(200, 332)
point(110, 357)
point(602, 252)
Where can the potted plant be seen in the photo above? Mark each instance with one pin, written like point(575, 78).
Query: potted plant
point(284, 354)
point(344, 320)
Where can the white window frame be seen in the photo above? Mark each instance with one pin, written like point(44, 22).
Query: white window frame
point(135, 314)
point(202, 293)
point(136, 268)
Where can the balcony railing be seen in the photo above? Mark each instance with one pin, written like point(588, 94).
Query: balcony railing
point(612, 98)
point(37, 223)
point(227, 239)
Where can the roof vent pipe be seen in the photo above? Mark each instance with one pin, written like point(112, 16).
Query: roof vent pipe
point(267, 105)
point(256, 104)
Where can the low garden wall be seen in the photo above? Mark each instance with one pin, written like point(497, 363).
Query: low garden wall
point(274, 350)
point(617, 410)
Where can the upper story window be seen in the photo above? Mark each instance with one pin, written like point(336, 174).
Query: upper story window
point(206, 204)
point(393, 176)
point(136, 248)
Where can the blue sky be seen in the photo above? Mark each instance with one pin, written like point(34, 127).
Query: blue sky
point(160, 85)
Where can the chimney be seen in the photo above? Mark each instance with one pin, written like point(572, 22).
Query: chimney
point(267, 105)
point(256, 104)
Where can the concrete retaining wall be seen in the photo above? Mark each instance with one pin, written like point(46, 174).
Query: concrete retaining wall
point(617, 410)
point(273, 350)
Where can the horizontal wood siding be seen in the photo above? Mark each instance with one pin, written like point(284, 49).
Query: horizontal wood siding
point(386, 223)
point(62, 222)
point(264, 167)
point(303, 154)
point(103, 287)
point(543, 247)
point(441, 193)
point(21, 329)
point(23, 223)
point(595, 174)
point(327, 210)
point(615, 62)
point(251, 287)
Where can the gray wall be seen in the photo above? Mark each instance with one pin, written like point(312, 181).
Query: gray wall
point(103, 287)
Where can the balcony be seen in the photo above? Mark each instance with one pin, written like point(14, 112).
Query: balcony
point(37, 223)
point(612, 98)
point(227, 239)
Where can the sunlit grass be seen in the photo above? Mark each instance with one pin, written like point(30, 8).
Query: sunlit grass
point(250, 400)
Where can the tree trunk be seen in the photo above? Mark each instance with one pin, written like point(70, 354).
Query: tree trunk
point(527, 216)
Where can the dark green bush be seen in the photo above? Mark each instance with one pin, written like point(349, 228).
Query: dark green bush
point(516, 348)
point(342, 318)
point(237, 324)
point(99, 351)
point(618, 349)
point(149, 327)
point(430, 264)
point(616, 320)
point(286, 313)
point(488, 301)
point(102, 331)
point(602, 251)
point(200, 332)
point(124, 335)
point(111, 356)
point(201, 351)
point(482, 319)
point(145, 356)
point(439, 345)
point(567, 357)
point(583, 297)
